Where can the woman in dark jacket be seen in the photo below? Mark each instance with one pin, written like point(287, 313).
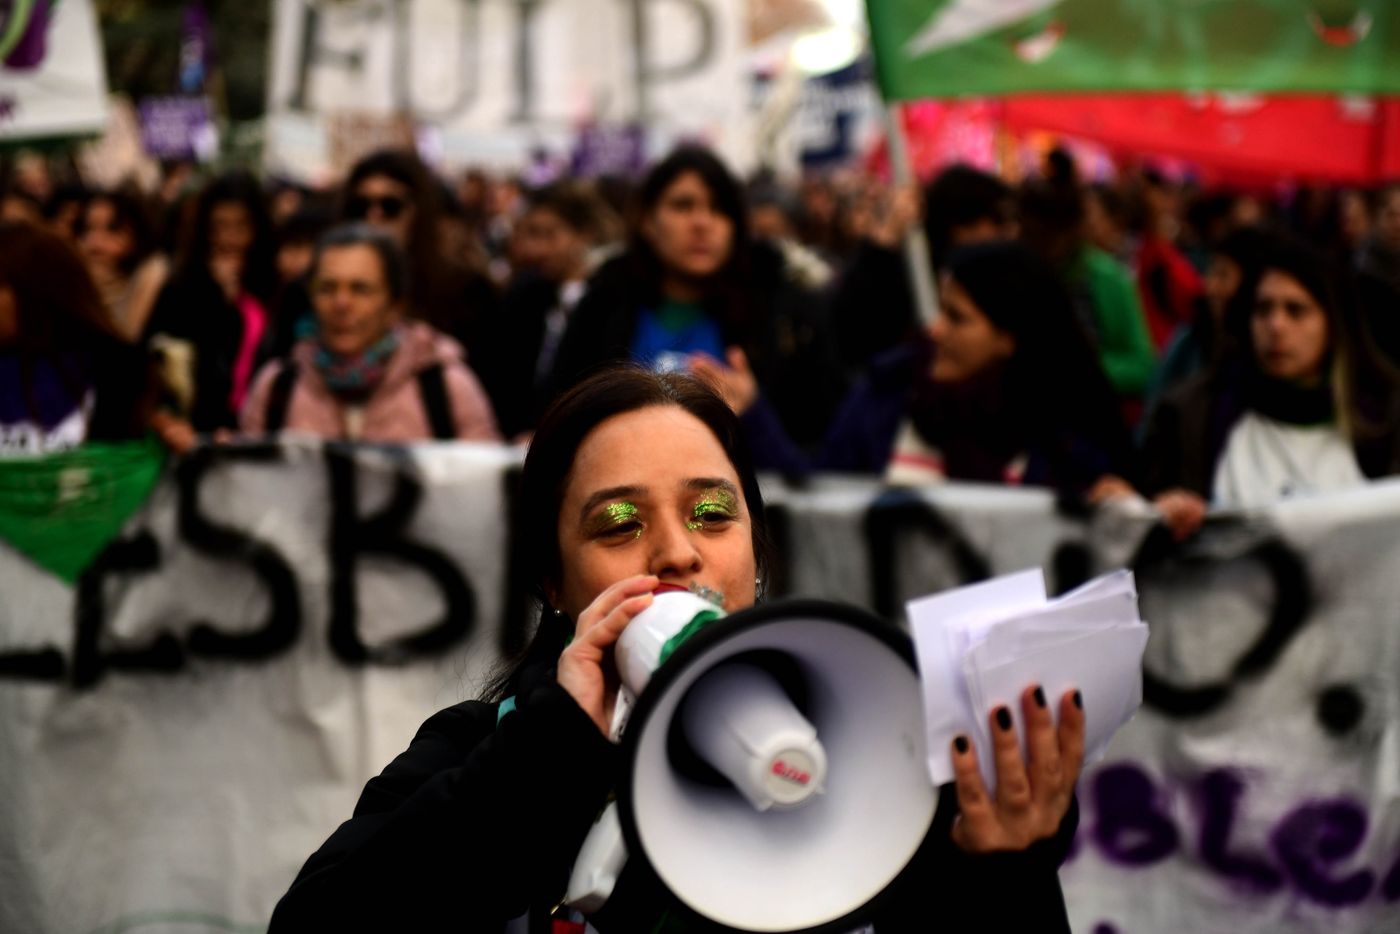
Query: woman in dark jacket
point(1004, 388)
point(480, 820)
point(692, 284)
point(1300, 402)
point(212, 315)
point(554, 241)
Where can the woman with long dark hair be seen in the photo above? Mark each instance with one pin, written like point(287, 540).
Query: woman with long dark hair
point(1003, 387)
point(115, 236)
point(66, 377)
point(1299, 403)
point(212, 316)
point(635, 483)
point(693, 286)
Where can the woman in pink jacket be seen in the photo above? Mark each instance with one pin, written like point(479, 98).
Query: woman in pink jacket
point(367, 374)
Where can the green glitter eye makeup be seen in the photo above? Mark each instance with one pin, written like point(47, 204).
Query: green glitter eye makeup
point(717, 503)
point(616, 516)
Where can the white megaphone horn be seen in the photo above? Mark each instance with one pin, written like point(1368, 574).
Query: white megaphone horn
point(774, 772)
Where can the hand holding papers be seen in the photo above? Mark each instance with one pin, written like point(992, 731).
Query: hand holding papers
point(979, 647)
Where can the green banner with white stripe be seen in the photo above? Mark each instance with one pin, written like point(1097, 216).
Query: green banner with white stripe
point(952, 48)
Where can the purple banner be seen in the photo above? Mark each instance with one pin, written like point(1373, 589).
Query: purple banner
point(609, 150)
point(177, 128)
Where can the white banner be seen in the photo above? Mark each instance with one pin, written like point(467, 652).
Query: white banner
point(492, 79)
point(52, 78)
point(184, 727)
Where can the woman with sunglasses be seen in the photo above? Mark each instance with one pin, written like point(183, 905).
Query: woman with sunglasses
point(393, 191)
point(480, 820)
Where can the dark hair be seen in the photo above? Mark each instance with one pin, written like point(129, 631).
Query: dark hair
point(1114, 205)
point(573, 204)
point(1054, 369)
point(1290, 256)
point(391, 258)
point(55, 297)
point(236, 187)
point(408, 170)
point(435, 285)
point(64, 195)
point(728, 195)
point(959, 197)
point(549, 462)
point(767, 192)
point(305, 225)
point(1052, 210)
point(56, 303)
point(1246, 247)
point(1364, 387)
point(127, 212)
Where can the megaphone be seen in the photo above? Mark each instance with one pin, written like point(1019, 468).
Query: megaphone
point(775, 775)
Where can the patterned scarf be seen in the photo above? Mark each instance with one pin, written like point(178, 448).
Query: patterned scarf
point(354, 379)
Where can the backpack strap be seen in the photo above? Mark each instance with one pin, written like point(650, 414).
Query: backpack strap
point(279, 398)
point(432, 386)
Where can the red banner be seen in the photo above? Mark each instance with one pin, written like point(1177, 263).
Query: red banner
point(1232, 136)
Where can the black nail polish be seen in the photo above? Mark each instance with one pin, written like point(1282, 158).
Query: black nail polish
point(1003, 718)
point(1079, 700)
point(1039, 697)
point(960, 744)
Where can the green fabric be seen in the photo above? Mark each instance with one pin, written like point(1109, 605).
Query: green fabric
point(677, 316)
point(61, 510)
point(1125, 348)
point(950, 48)
point(701, 620)
point(505, 707)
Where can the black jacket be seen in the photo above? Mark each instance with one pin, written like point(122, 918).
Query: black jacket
point(507, 352)
point(193, 308)
point(479, 822)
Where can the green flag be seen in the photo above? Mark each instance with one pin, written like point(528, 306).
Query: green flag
point(951, 48)
point(61, 510)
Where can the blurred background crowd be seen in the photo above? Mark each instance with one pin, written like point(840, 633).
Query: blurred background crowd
point(1144, 334)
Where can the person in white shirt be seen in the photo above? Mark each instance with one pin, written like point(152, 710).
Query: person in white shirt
point(1301, 404)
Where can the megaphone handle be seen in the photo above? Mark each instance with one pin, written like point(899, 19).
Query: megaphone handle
point(599, 863)
point(622, 711)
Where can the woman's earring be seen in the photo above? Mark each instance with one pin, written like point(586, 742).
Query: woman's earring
point(758, 591)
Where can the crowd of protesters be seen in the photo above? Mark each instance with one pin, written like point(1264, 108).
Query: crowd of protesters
point(1139, 337)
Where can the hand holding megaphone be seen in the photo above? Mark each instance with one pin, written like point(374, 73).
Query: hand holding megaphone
point(585, 666)
point(788, 728)
point(738, 719)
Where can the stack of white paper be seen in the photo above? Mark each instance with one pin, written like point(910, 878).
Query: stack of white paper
point(980, 647)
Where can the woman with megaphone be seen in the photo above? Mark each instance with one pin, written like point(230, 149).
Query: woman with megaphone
point(637, 484)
